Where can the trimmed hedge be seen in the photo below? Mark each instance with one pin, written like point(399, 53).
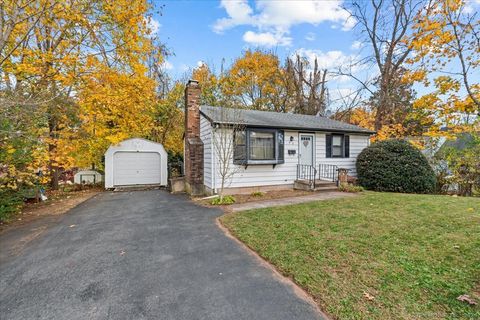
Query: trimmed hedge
point(396, 166)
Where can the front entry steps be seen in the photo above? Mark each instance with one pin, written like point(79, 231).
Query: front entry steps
point(320, 185)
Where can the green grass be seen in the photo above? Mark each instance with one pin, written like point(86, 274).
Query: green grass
point(415, 254)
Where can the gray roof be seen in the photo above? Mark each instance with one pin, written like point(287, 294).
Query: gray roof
point(255, 118)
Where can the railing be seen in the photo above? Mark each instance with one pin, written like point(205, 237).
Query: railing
point(328, 172)
point(307, 172)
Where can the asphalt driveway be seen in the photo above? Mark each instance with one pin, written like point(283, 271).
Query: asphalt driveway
point(142, 255)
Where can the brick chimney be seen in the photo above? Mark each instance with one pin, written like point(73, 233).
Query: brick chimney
point(193, 155)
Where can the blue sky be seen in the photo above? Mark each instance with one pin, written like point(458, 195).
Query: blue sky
point(210, 31)
point(190, 29)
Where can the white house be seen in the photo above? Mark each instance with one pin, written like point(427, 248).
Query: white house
point(270, 150)
point(134, 162)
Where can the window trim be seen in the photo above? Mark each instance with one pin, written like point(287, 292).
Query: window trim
point(278, 159)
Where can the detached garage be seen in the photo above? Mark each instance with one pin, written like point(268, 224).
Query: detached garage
point(135, 162)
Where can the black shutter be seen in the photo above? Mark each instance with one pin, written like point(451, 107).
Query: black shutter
point(328, 145)
point(347, 146)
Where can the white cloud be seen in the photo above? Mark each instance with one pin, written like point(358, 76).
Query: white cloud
point(356, 45)
point(266, 39)
point(277, 17)
point(239, 13)
point(310, 36)
point(326, 60)
point(167, 65)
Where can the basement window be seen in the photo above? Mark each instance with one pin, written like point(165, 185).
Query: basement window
point(258, 146)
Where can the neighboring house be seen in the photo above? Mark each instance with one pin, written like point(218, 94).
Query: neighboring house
point(270, 150)
point(87, 176)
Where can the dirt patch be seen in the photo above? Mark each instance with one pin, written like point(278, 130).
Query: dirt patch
point(58, 203)
point(254, 197)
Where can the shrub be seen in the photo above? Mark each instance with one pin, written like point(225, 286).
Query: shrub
point(395, 165)
point(10, 204)
point(347, 187)
point(257, 194)
point(225, 200)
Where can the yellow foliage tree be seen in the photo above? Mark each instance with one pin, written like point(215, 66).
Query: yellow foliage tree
point(447, 55)
point(254, 81)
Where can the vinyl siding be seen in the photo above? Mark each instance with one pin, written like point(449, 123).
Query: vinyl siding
point(357, 144)
point(267, 175)
point(264, 175)
point(206, 137)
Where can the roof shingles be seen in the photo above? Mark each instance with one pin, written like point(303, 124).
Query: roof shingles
point(278, 120)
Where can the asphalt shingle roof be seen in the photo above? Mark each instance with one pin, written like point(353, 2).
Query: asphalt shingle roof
point(278, 120)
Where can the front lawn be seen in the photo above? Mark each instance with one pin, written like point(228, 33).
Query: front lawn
point(376, 256)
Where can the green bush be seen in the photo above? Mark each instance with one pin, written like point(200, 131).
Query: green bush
point(395, 165)
point(10, 204)
point(347, 187)
point(225, 200)
point(257, 194)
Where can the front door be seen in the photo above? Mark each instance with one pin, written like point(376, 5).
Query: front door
point(305, 152)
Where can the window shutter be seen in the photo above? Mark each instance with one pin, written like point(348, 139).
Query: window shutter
point(328, 145)
point(347, 146)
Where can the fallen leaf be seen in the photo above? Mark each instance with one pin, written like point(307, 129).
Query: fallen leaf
point(368, 296)
point(470, 209)
point(467, 298)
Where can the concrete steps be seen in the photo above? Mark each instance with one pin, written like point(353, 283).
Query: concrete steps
point(320, 185)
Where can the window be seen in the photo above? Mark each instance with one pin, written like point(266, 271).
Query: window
point(262, 145)
point(258, 146)
point(337, 146)
point(240, 145)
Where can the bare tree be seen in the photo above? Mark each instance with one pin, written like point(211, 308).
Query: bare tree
point(226, 134)
point(307, 87)
point(383, 25)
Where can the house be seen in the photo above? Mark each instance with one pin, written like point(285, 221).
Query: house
point(263, 150)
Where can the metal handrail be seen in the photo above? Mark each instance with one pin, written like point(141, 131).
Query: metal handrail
point(307, 172)
point(327, 172)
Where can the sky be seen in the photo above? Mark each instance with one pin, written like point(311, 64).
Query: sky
point(212, 31)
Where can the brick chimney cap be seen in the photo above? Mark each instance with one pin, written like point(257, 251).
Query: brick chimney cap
point(192, 82)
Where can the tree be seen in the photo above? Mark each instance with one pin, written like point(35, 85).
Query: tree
point(72, 67)
point(224, 138)
point(211, 85)
point(447, 50)
point(168, 114)
point(306, 87)
point(254, 81)
point(384, 25)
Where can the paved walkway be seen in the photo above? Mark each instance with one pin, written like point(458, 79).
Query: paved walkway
point(142, 255)
point(288, 201)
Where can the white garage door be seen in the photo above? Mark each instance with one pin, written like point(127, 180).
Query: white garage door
point(130, 168)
